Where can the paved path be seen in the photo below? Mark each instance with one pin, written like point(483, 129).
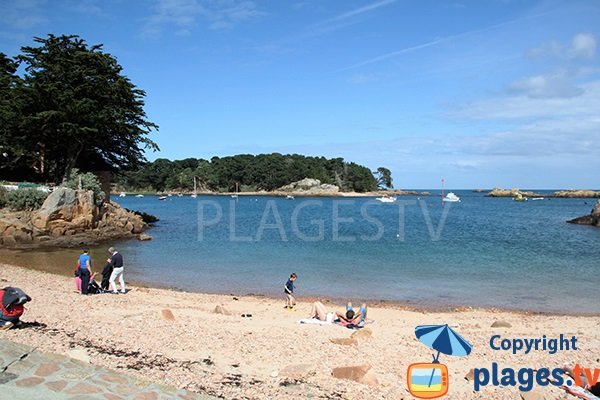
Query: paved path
point(26, 373)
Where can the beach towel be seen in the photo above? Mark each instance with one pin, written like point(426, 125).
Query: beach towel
point(580, 392)
point(313, 321)
point(349, 325)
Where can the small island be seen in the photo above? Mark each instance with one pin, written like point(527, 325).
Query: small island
point(571, 193)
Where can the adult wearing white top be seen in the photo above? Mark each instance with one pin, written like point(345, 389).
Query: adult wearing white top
point(116, 260)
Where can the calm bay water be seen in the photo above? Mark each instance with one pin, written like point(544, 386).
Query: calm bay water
point(480, 252)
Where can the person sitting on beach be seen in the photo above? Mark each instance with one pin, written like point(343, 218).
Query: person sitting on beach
point(351, 317)
point(288, 289)
point(319, 312)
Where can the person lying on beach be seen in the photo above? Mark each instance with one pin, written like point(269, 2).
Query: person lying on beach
point(577, 372)
point(352, 317)
point(319, 312)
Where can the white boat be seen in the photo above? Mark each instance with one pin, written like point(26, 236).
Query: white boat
point(289, 197)
point(169, 195)
point(194, 195)
point(140, 195)
point(122, 194)
point(162, 198)
point(386, 199)
point(451, 198)
point(537, 198)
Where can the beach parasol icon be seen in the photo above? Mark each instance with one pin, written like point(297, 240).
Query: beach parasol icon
point(443, 339)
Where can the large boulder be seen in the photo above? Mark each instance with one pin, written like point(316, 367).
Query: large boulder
point(359, 373)
point(75, 207)
point(591, 219)
point(309, 186)
point(69, 218)
point(15, 228)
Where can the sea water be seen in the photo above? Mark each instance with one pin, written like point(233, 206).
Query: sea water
point(490, 252)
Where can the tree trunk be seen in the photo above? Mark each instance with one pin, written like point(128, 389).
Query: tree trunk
point(71, 161)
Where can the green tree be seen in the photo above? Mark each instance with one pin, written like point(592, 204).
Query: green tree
point(13, 152)
point(384, 178)
point(81, 109)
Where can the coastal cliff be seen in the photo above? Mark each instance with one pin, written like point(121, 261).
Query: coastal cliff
point(68, 218)
point(591, 219)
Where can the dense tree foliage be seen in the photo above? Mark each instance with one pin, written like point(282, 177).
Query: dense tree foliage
point(384, 178)
point(72, 108)
point(247, 172)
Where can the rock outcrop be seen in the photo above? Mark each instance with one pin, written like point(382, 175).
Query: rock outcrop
point(309, 187)
point(576, 193)
point(571, 193)
point(592, 219)
point(69, 218)
point(511, 193)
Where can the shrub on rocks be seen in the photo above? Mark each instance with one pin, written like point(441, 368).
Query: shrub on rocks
point(23, 199)
point(87, 180)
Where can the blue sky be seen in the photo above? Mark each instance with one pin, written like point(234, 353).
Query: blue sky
point(482, 93)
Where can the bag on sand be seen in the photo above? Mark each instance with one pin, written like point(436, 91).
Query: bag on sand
point(11, 303)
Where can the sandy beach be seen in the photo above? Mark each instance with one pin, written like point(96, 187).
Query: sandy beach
point(270, 355)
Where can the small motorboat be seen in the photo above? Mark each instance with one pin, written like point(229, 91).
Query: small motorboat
point(139, 196)
point(386, 199)
point(451, 198)
point(162, 198)
point(519, 197)
point(537, 198)
point(289, 197)
point(122, 194)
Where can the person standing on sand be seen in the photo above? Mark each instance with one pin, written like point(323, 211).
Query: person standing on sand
point(288, 289)
point(116, 261)
point(85, 270)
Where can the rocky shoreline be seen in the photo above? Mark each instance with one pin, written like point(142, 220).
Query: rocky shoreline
point(571, 193)
point(69, 218)
point(592, 219)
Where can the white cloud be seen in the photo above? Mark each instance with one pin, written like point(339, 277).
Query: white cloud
point(546, 86)
point(185, 15)
point(583, 46)
point(549, 49)
point(521, 106)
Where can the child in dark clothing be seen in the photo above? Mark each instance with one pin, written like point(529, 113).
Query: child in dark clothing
point(288, 289)
point(108, 268)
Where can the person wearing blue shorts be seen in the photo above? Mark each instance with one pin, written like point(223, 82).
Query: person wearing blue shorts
point(352, 317)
